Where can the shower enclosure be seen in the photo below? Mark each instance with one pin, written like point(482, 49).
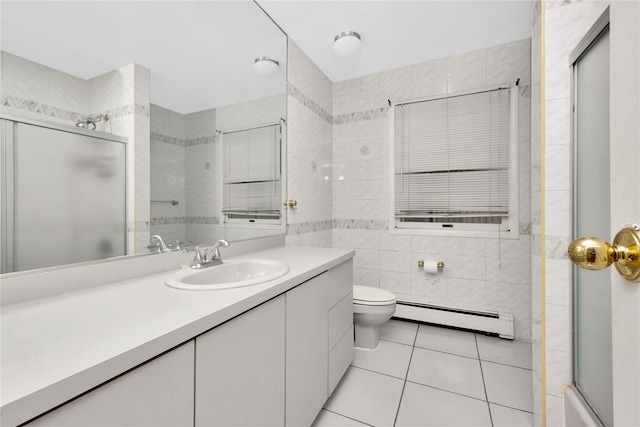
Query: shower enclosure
point(63, 195)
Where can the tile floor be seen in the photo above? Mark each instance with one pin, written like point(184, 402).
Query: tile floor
point(429, 376)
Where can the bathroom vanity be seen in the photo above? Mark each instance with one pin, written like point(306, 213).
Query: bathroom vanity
point(138, 352)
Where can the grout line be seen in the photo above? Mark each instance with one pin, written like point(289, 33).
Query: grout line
point(406, 375)
point(511, 407)
point(376, 372)
point(448, 391)
point(484, 384)
point(350, 418)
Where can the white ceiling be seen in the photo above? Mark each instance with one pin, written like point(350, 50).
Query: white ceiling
point(201, 53)
point(398, 33)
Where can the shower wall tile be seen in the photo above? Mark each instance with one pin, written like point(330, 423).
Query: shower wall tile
point(303, 74)
point(167, 122)
point(558, 175)
point(50, 90)
point(112, 90)
point(200, 124)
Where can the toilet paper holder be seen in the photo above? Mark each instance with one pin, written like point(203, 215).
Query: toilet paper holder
point(440, 264)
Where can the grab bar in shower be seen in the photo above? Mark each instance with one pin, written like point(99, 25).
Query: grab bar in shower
point(173, 202)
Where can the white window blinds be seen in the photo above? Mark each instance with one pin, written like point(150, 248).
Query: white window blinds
point(252, 173)
point(452, 159)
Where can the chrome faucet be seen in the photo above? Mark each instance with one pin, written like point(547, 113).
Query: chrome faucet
point(162, 246)
point(210, 257)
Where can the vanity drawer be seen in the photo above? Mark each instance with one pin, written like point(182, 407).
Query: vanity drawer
point(340, 282)
point(340, 319)
point(340, 358)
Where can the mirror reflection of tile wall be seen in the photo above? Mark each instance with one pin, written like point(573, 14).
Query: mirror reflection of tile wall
point(186, 167)
point(40, 93)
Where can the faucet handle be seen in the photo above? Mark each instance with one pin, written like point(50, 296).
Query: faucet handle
point(199, 258)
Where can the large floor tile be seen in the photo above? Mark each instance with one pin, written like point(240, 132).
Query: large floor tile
point(426, 406)
point(330, 419)
point(507, 417)
point(399, 331)
point(446, 371)
point(507, 352)
point(447, 340)
point(508, 386)
point(389, 358)
point(367, 396)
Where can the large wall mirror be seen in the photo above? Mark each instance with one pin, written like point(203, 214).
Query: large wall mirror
point(205, 130)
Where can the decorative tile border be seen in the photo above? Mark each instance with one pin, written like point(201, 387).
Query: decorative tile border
point(340, 119)
point(73, 116)
point(555, 247)
point(308, 227)
point(212, 139)
point(202, 220)
point(44, 109)
point(359, 116)
point(360, 224)
point(180, 220)
point(167, 139)
point(299, 96)
point(525, 228)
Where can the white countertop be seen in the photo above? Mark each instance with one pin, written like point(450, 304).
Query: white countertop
point(56, 348)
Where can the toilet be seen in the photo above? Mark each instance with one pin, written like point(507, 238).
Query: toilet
point(371, 308)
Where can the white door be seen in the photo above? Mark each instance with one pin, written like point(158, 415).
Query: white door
point(607, 307)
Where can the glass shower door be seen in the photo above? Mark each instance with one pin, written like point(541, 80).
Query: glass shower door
point(67, 201)
point(592, 289)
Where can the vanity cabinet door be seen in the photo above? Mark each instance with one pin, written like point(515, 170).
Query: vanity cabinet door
point(307, 362)
point(240, 368)
point(157, 393)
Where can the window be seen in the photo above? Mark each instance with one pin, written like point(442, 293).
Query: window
point(252, 181)
point(455, 163)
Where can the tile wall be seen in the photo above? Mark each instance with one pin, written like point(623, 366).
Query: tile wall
point(484, 274)
point(168, 174)
point(123, 94)
point(536, 182)
point(309, 151)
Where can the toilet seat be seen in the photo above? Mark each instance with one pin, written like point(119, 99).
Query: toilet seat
point(367, 295)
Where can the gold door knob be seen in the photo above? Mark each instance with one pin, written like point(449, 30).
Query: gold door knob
point(592, 253)
point(290, 203)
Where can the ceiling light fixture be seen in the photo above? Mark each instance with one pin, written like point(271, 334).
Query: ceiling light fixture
point(346, 43)
point(266, 66)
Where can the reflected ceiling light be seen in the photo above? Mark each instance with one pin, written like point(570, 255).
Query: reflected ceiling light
point(266, 66)
point(346, 43)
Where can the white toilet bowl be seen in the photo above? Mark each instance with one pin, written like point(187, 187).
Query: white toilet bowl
point(371, 308)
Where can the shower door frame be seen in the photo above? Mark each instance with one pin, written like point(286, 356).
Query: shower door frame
point(593, 36)
point(624, 119)
point(7, 195)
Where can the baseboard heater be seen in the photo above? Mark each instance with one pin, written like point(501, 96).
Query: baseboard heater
point(488, 322)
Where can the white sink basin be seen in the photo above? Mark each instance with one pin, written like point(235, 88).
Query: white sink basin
point(231, 274)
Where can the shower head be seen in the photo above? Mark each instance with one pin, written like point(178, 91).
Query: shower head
point(86, 124)
point(90, 121)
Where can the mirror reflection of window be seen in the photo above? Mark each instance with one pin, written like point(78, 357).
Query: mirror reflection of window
point(251, 187)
